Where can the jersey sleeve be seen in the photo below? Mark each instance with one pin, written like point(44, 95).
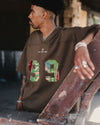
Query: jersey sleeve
point(21, 67)
point(80, 33)
point(22, 64)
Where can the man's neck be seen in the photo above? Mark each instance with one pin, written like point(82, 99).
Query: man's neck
point(47, 29)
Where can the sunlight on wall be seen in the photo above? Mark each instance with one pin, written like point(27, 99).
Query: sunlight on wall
point(95, 116)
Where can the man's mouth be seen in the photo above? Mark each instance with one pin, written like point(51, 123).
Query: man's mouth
point(30, 22)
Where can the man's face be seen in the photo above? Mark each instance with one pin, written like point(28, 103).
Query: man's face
point(36, 16)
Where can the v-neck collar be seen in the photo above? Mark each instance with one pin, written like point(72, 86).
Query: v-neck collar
point(49, 36)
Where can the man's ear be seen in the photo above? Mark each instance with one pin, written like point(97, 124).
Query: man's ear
point(45, 14)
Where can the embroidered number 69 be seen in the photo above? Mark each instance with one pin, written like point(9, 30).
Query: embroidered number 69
point(51, 66)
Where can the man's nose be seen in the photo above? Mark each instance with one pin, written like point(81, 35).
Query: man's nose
point(29, 16)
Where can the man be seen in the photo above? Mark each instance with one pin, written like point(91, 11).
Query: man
point(49, 53)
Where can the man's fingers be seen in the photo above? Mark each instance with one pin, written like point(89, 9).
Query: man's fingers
point(87, 68)
point(87, 71)
point(91, 64)
point(77, 70)
point(84, 70)
point(80, 74)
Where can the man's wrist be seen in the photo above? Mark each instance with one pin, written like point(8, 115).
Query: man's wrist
point(80, 44)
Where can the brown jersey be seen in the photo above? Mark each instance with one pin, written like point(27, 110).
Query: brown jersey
point(47, 62)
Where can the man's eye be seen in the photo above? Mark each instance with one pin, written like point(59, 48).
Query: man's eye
point(31, 11)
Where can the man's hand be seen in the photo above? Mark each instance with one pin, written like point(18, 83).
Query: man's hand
point(19, 106)
point(83, 64)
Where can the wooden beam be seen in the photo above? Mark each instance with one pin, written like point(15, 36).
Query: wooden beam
point(70, 90)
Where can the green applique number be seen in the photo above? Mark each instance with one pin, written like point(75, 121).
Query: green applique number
point(34, 68)
point(51, 66)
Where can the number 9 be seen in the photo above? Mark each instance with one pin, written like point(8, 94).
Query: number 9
point(51, 66)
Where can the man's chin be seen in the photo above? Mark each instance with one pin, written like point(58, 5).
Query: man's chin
point(34, 27)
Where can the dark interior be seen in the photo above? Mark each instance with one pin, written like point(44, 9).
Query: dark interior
point(92, 4)
point(14, 27)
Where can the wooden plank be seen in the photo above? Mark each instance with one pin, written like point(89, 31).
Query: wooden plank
point(89, 94)
point(86, 100)
point(4, 121)
point(70, 90)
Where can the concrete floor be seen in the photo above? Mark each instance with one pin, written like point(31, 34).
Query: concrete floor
point(9, 91)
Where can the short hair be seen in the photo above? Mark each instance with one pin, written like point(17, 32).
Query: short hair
point(55, 6)
point(51, 14)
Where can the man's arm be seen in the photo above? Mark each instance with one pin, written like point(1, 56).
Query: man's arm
point(83, 64)
point(19, 101)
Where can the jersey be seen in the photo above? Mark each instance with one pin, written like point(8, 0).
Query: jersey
point(46, 63)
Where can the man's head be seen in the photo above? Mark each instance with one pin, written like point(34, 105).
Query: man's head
point(44, 10)
point(38, 16)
